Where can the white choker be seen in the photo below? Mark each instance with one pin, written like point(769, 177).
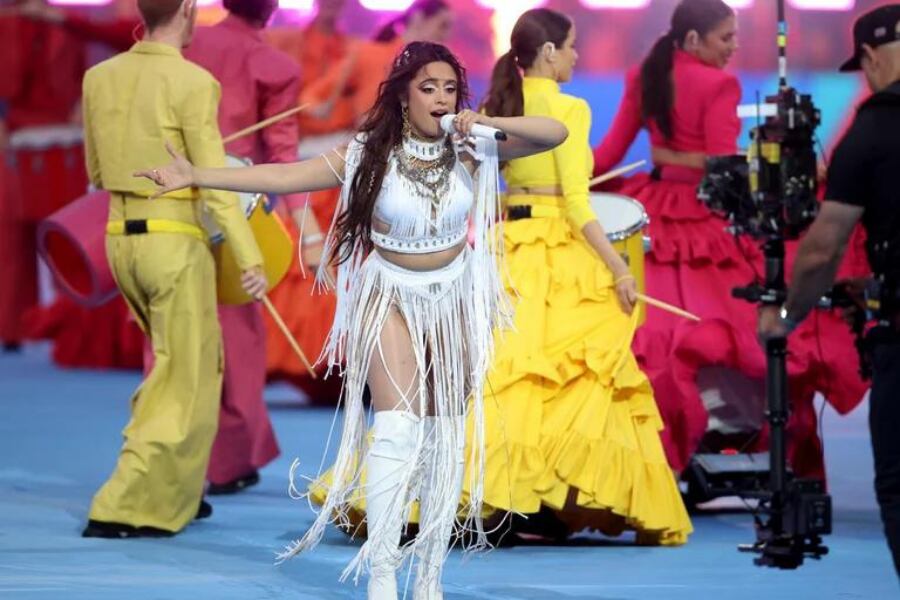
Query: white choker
point(424, 150)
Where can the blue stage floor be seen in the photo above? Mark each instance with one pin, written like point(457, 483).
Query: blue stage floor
point(60, 431)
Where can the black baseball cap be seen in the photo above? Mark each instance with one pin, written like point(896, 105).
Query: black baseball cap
point(875, 28)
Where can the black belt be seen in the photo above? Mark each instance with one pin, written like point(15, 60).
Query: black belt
point(135, 226)
point(143, 226)
point(517, 212)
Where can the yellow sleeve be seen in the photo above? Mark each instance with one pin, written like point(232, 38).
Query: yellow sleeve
point(573, 169)
point(90, 149)
point(203, 144)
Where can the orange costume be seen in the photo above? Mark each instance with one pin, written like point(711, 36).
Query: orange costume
point(317, 53)
point(359, 74)
point(349, 71)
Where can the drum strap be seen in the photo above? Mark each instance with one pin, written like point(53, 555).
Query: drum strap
point(140, 226)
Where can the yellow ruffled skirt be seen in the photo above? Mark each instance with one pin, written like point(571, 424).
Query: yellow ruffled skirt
point(570, 420)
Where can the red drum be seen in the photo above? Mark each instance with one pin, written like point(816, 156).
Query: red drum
point(49, 164)
point(72, 241)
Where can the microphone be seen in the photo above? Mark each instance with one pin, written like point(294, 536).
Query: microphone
point(478, 130)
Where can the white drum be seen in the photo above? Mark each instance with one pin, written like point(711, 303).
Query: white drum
point(624, 220)
point(621, 216)
point(45, 137)
point(312, 146)
point(248, 201)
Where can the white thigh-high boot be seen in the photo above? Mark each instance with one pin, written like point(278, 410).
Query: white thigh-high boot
point(389, 465)
point(439, 495)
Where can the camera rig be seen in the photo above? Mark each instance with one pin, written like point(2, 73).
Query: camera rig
point(770, 194)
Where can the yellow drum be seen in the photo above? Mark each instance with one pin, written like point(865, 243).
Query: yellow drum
point(273, 239)
point(624, 219)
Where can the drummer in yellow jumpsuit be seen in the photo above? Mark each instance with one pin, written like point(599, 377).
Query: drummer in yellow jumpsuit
point(134, 104)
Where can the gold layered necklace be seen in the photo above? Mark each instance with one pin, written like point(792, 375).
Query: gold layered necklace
point(427, 166)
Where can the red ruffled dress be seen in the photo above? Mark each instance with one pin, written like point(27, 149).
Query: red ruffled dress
point(713, 371)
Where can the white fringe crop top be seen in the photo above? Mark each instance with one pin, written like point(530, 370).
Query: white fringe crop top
point(416, 224)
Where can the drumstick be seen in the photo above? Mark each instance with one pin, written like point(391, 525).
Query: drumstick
point(264, 123)
point(287, 334)
point(667, 307)
point(615, 173)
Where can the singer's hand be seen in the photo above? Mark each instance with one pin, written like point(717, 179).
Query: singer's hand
point(463, 122)
point(176, 175)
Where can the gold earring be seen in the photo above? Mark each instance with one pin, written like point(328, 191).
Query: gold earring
point(407, 128)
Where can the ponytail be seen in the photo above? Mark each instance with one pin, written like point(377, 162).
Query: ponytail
point(657, 89)
point(657, 86)
point(532, 30)
point(505, 97)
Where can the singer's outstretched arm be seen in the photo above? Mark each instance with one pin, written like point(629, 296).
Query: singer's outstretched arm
point(525, 135)
point(320, 173)
point(528, 135)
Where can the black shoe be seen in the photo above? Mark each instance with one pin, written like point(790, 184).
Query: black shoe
point(12, 347)
point(121, 531)
point(153, 532)
point(234, 486)
point(205, 510)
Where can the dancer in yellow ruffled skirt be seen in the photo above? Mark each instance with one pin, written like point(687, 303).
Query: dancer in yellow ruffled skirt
point(571, 422)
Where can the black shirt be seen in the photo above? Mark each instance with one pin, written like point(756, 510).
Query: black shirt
point(865, 169)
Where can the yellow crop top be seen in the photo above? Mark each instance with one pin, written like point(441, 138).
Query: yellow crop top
point(569, 165)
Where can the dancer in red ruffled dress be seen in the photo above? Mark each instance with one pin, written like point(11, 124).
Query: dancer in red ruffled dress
point(710, 376)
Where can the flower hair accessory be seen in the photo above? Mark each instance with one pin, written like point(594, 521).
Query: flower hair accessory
point(403, 58)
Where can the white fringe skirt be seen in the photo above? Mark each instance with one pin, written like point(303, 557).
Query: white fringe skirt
point(451, 333)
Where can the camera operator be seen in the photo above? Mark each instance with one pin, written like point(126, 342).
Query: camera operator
point(862, 183)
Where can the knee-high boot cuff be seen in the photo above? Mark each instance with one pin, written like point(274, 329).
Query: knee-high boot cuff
point(390, 464)
point(441, 486)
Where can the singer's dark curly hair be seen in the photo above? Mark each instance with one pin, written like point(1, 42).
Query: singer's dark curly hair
point(382, 131)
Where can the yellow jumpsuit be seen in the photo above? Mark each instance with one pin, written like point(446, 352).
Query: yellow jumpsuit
point(571, 423)
point(133, 103)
